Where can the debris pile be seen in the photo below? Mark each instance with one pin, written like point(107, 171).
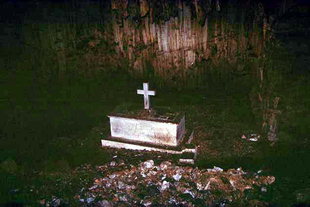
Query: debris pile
point(167, 184)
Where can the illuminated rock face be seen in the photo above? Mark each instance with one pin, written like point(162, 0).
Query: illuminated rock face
point(185, 34)
point(150, 131)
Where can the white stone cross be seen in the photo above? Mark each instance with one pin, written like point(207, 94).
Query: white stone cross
point(146, 93)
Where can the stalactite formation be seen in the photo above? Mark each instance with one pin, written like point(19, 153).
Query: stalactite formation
point(193, 31)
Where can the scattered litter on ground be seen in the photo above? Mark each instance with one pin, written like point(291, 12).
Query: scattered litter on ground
point(187, 161)
point(167, 184)
point(215, 169)
point(251, 137)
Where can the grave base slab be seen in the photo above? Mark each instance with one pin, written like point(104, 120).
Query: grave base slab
point(132, 146)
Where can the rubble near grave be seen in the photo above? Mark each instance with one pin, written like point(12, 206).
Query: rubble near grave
point(167, 184)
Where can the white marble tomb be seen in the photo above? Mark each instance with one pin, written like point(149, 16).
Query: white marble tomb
point(157, 132)
point(150, 133)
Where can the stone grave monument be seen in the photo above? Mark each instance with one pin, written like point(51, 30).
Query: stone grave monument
point(148, 131)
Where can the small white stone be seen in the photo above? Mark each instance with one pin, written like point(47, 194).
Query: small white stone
point(199, 186)
point(189, 192)
point(215, 169)
point(177, 177)
point(123, 198)
point(90, 200)
point(165, 185)
point(113, 163)
point(112, 176)
point(263, 189)
point(147, 203)
point(93, 187)
point(148, 164)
